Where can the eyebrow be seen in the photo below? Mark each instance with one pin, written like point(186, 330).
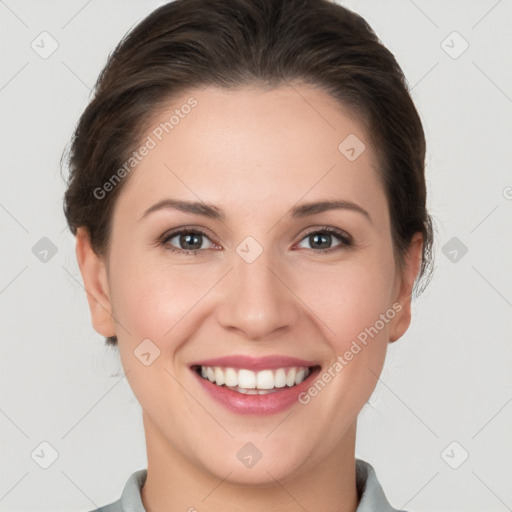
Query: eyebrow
point(213, 212)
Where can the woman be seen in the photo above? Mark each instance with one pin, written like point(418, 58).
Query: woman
point(248, 197)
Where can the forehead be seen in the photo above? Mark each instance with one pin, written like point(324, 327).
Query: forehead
point(254, 148)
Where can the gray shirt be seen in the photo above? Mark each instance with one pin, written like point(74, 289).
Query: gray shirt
point(372, 497)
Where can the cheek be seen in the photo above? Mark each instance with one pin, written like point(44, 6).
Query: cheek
point(154, 301)
point(354, 305)
point(350, 298)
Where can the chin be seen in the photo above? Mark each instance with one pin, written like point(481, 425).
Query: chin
point(243, 463)
point(262, 474)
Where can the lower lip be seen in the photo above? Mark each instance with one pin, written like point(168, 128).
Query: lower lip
point(271, 403)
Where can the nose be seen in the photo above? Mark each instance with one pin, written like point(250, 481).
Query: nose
point(257, 299)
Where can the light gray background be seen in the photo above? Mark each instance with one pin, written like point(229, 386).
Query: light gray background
point(448, 379)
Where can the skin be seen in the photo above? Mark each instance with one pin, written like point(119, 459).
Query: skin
point(254, 154)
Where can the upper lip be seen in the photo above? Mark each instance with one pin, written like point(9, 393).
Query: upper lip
point(255, 363)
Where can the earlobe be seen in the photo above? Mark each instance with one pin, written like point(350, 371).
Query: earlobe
point(403, 296)
point(94, 275)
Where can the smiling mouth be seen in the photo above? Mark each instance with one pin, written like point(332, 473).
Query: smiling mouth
point(250, 382)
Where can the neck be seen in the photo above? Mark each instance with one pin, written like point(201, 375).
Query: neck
point(175, 483)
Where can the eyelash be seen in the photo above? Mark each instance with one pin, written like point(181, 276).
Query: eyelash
point(344, 238)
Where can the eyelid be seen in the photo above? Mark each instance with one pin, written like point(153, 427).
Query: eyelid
point(331, 230)
point(184, 229)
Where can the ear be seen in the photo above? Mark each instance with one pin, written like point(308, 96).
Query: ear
point(404, 286)
point(94, 275)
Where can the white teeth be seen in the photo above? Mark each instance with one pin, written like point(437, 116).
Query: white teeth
point(219, 376)
point(290, 378)
point(280, 378)
point(299, 377)
point(246, 379)
point(265, 379)
point(253, 391)
point(253, 383)
point(230, 377)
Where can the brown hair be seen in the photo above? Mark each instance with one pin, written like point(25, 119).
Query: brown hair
point(231, 43)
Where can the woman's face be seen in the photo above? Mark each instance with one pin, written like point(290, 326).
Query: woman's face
point(273, 279)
